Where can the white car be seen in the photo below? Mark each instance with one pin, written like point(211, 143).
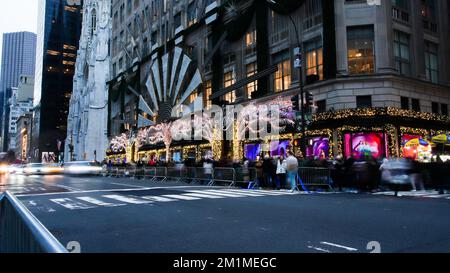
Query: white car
point(82, 168)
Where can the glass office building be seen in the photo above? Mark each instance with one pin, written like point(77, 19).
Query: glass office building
point(59, 31)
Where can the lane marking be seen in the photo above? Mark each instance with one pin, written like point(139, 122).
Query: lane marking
point(181, 197)
point(127, 199)
point(70, 204)
point(228, 192)
point(200, 195)
point(158, 199)
point(339, 246)
point(319, 249)
point(98, 202)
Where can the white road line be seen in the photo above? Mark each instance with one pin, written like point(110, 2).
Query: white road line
point(438, 196)
point(231, 192)
point(69, 188)
point(128, 185)
point(218, 193)
point(246, 192)
point(181, 197)
point(98, 202)
point(158, 199)
point(70, 204)
point(339, 246)
point(201, 195)
point(319, 249)
point(127, 199)
point(271, 192)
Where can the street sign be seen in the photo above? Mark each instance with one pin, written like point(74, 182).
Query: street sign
point(298, 63)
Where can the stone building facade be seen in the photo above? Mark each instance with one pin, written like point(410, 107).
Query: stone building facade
point(371, 67)
point(87, 119)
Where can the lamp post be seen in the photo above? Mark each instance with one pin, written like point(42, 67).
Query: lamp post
point(298, 65)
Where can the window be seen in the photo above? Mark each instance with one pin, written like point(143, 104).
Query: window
point(93, 22)
point(404, 101)
point(400, 10)
point(363, 101)
point(429, 14)
point(313, 13)
point(207, 94)
point(360, 50)
point(415, 105)
point(431, 61)
point(314, 59)
point(435, 108)
point(321, 106)
point(192, 14)
point(282, 78)
point(401, 52)
point(253, 86)
point(228, 80)
point(250, 42)
point(444, 109)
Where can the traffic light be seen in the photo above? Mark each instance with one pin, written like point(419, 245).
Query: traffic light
point(309, 99)
point(295, 103)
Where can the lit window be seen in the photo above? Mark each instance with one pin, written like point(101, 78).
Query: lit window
point(314, 59)
point(360, 50)
point(253, 86)
point(282, 78)
point(229, 80)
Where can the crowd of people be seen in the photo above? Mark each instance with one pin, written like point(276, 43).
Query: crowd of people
point(364, 174)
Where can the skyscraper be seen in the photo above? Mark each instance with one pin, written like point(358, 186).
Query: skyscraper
point(18, 58)
point(59, 30)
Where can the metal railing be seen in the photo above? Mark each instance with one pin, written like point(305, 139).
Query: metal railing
point(312, 176)
point(21, 232)
point(307, 176)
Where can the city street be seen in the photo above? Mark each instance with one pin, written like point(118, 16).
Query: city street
point(129, 215)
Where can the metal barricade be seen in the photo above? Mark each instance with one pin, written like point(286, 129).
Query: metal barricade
point(139, 172)
point(311, 176)
point(204, 175)
point(21, 232)
point(160, 174)
point(149, 173)
point(130, 172)
point(189, 175)
point(175, 173)
point(224, 175)
point(246, 176)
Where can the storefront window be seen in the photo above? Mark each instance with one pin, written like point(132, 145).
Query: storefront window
point(362, 145)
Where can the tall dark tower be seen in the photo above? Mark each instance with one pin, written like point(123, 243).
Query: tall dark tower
point(59, 32)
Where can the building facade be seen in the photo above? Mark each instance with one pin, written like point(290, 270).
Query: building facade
point(23, 137)
point(376, 71)
point(18, 58)
point(20, 103)
point(87, 120)
point(59, 30)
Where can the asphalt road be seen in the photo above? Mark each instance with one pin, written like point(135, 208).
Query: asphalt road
point(126, 215)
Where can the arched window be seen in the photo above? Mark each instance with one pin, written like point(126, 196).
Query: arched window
point(93, 22)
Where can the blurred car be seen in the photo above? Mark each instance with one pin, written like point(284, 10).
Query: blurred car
point(82, 168)
point(3, 169)
point(33, 168)
point(42, 168)
point(16, 168)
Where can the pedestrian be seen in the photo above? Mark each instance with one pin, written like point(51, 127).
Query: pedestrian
point(281, 172)
point(292, 171)
point(208, 169)
point(268, 170)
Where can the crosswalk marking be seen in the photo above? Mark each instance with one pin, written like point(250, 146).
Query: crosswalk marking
point(70, 204)
point(88, 202)
point(181, 197)
point(218, 193)
point(99, 202)
point(158, 199)
point(241, 194)
point(127, 199)
point(200, 195)
point(246, 192)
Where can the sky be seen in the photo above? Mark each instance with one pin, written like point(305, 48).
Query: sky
point(17, 15)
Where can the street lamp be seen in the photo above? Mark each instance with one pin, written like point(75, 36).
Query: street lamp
point(298, 64)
